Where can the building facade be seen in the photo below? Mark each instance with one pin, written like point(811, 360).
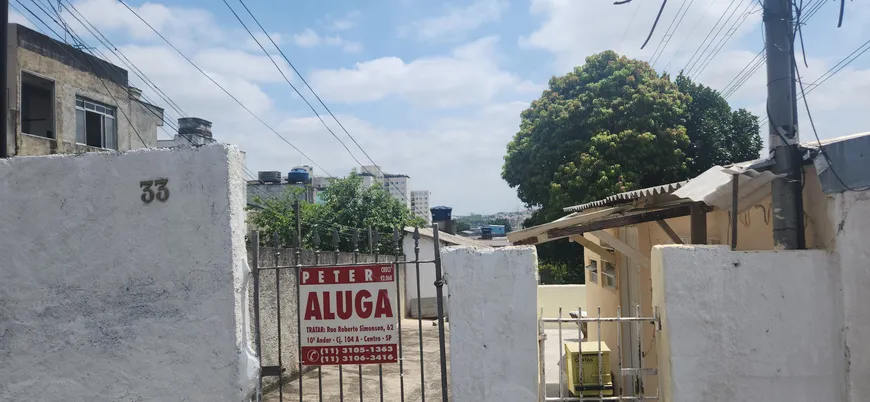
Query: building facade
point(399, 187)
point(191, 131)
point(420, 204)
point(64, 100)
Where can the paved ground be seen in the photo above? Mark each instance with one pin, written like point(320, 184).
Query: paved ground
point(552, 353)
point(371, 380)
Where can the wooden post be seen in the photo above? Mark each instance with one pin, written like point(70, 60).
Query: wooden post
point(699, 223)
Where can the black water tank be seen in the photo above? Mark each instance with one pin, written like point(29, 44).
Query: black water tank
point(441, 213)
point(269, 177)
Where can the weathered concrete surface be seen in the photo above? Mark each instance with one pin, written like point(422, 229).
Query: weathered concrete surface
point(414, 385)
point(106, 298)
point(741, 326)
point(493, 337)
point(39, 56)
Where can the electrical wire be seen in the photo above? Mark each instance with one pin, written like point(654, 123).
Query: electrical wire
point(727, 37)
point(686, 67)
point(712, 39)
point(222, 88)
point(313, 92)
point(84, 48)
point(655, 23)
point(108, 91)
point(666, 38)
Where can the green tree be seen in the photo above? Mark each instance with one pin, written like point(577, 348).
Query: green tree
point(615, 125)
point(462, 225)
point(610, 125)
point(347, 204)
point(719, 136)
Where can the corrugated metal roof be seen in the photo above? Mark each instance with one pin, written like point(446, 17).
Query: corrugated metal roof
point(713, 187)
point(841, 163)
point(627, 196)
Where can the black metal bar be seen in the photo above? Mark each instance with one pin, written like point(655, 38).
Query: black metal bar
point(399, 315)
point(735, 183)
point(419, 313)
point(439, 293)
point(355, 240)
point(255, 261)
point(373, 238)
point(297, 256)
point(336, 240)
point(4, 106)
point(278, 317)
point(315, 238)
point(271, 371)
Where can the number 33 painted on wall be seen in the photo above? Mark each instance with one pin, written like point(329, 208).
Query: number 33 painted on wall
point(148, 193)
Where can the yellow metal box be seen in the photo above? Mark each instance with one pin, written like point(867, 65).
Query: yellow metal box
point(589, 384)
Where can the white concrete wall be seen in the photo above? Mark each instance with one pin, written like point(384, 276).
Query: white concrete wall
point(428, 297)
point(748, 326)
point(493, 326)
point(106, 298)
point(568, 297)
point(849, 217)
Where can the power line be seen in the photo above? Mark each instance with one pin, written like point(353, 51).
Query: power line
point(72, 34)
point(725, 38)
point(108, 91)
point(686, 67)
point(313, 92)
point(222, 88)
point(655, 23)
point(669, 33)
point(745, 68)
point(290, 83)
point(713, 38)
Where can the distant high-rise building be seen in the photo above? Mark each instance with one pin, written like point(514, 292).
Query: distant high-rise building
point(397, 185)
point(420, 204)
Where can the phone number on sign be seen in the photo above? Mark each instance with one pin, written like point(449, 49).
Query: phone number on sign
point(357, 350)
point(372, 358)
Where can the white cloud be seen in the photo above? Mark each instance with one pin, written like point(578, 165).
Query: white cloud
point(573, 30)
point(344, 23)
point(457, 21)
point(310, 38)
point(468, 76)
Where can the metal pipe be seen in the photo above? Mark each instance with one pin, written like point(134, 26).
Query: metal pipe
point(297, 257)
point(621, 377)
point(255, 261)
point(561, 359)
point(439, 293)
point(419, 314)
point(600, 378)
point(735, 184)
point(579, 350)
point(400, 314)
point(4, 100)
point(278, 319)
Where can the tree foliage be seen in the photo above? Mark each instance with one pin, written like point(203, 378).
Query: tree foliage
point(615, 125)
point(347, 205)
point(719, 136)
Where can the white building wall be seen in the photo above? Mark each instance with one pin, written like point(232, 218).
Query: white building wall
point(420, 204)
point(427, 296)
point(104, 297)
point(493, 326)
point(749, 326)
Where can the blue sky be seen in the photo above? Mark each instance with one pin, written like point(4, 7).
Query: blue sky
point(434, 89)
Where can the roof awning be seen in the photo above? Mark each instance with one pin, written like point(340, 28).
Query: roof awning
point(579, 223)
point(627, 196)
point(714, 186)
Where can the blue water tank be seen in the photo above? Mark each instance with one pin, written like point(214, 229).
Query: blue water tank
point(441, 213)
point(298, 175)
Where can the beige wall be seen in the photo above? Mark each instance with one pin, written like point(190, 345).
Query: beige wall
point(567, 297)
point(755, 233)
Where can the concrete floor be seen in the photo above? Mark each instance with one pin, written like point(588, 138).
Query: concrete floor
point(552, 354)
point(371, 383)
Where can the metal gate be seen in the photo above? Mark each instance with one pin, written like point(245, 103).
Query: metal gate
point(625, 382)
point(419, 372)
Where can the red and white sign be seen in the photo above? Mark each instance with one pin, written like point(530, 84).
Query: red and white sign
point(348, 315)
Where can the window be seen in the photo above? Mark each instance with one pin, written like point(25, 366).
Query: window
point(95, 124)
point(37, 106)
point(593, 271)
point(609, 274)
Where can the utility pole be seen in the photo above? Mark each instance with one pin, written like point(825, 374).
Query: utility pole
point(783, 134)
point(4, 100)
